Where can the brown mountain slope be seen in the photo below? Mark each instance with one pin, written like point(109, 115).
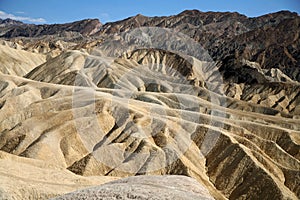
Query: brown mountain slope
point(84, 27)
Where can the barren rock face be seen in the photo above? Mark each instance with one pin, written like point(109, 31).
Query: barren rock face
point(18, 62)
point(23, 178)
point(132, 101)
point(144, 188)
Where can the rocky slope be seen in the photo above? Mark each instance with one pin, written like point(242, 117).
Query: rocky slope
point(23, 178)
point(145, 188)
point(232, 37)
point(19, 62)
point(11, 28)
point(212, 96)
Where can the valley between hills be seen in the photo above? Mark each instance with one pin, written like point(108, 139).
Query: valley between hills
point(198, 105)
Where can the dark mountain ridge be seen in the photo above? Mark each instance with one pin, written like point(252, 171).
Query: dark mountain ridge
point(8, 21)
point(85, 27)
point(270, 41)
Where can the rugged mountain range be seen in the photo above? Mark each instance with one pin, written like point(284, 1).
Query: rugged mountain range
point(210, 95)
point(18, 29)
point(229, 37)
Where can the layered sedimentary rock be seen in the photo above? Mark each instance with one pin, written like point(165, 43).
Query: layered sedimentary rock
point(133, 100)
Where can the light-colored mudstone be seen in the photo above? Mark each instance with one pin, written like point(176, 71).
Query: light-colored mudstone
point(145, 188)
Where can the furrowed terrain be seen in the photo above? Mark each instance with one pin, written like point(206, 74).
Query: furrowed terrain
point(212, 96)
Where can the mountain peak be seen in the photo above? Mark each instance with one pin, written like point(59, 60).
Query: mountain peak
point(140, 15)
point(9, 21)
point(190, 12)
